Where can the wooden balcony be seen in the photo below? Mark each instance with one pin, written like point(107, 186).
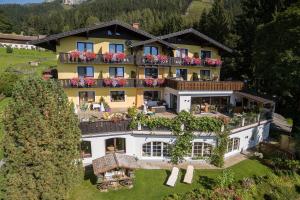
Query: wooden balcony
point(205, 85)
point(173, 61)
point(98, 83)
point(104, 126)
point(66, 58)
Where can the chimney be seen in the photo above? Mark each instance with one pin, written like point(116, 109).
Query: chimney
point(136, 25)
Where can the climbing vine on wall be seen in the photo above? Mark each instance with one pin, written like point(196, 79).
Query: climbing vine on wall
point(219, 151)
point(183, 127)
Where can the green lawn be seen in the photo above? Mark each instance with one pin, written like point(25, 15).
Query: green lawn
point(196, 8)
point(20, 57)
point(149, 184)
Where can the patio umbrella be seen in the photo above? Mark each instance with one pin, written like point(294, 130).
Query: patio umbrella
point(102, 109)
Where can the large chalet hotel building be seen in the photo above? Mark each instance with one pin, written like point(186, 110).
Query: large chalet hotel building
point(112, 66)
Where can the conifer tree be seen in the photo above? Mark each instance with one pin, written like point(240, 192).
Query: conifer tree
point(41, 149)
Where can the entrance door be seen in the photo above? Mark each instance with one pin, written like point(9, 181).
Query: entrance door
point(173, 102)
point(181, 73)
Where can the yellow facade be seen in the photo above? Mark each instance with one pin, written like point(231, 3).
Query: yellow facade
point(133, 96)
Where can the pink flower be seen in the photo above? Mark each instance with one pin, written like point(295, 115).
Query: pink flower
point(197, 61)
point(108, 57)
point(187, 60)
point(160, 82)
point(89, 56)
point(121, 56)
point(74, 82)
point(74, 55)
point(107, 81)
point(149, 82)
point(89, 81)
point(149, 57)
point(162, 58)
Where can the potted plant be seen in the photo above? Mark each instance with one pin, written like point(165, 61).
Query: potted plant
point(120, 57)
point(107, 81)
point(149, 82)
point(74, 82)
point(89, 82)
point(148, 58)
point(89, 56)
point(196, 55)
point(187, 60)
point(196, 61)
point(108, 57)
point(74, 56)
point(122, 82)
point(114, 82)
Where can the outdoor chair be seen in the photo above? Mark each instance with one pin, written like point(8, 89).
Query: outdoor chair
point(173, 177)
point(188, 178)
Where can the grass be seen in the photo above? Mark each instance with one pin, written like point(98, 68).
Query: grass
point(196, 8)
point(19, 59)
point(150, 184)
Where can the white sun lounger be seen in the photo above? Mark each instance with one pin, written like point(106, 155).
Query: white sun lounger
point(188, 177)
point(173, 177)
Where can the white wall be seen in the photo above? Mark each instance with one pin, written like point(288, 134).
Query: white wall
point(184, 103)
point(134, 142)
point(19, 46)
point(250, 137)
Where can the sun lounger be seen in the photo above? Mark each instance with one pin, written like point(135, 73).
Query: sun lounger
point(188, 178)
point(173, 177)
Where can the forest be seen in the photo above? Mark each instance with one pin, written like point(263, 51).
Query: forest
point(264, 34)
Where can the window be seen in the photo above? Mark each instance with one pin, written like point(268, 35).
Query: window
point(85, 46)
point(86, 97)
point(151, 50)
point(205, 74)
point(115, 72)
point(202, 149)
point(156, 149)
point(151, 72)
point(110, 33)
point(116, 48)
point(152, 95)
point(117, 145)
point(117, 96)
point(205, 54)
point(233, 144)
point(85, 71)
point(86, 149)
point(181, 73)
point(147, 149)
point(181, 53)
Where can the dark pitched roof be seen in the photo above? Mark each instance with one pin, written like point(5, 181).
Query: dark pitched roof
point(154, 40)
point(112, 161)
point(197, 33)
point(19, 37)
point(82, 30)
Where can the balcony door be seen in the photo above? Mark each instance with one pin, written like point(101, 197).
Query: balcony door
point(181, 73)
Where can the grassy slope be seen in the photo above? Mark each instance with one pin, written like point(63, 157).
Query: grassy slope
point(150, 183)
point(20, 57)
point(195, 9)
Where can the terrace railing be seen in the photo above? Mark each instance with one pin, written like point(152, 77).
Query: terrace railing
point(104, 126)
point(98, 83)
point(67, 58)
point(205, 85)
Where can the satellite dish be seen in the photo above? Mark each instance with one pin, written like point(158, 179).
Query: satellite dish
point(128, 42)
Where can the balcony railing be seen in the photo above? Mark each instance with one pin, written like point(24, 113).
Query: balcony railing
point(205, 85)
point(104, 126)
point(81, 58)
point(98, 83)
point(174, 61)
point(150, 83)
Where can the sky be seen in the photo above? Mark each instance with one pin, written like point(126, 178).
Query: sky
point(20, 1)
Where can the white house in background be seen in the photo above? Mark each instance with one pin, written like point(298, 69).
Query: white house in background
point(18, 41)
point(72, 2)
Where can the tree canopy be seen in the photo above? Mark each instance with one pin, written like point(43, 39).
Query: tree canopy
point(42, 138)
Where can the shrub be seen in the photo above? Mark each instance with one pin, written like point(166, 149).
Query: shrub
point(225, 179)
point(9, 49)
point(7, 82)
point(132, 112)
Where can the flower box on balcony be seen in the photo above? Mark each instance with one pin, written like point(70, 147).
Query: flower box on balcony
point(114, 57)
point(151, 82)
point(114, 82)
point(77, 56)
point(82, 82)
point(213, 62)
